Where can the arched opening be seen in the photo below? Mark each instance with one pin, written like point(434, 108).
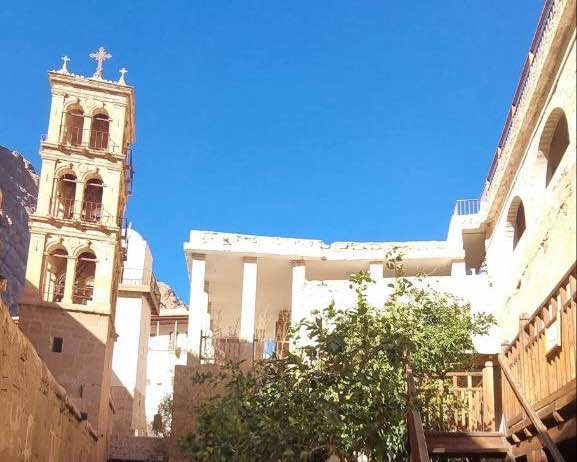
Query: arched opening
point(519, 224)
point(92, 204)
point(74, 124)
point(84, 278)
point(516, 222)
point(99, 131)
point(55, 275)
point(66, 193)
point(554, 142)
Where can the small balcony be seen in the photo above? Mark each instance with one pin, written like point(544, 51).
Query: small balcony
point(82, 294)
point(464, 207)
point(138, 280)
point(218, 349)
point(93, 139)
point(84, 211)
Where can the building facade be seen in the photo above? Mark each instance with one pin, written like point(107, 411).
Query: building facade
point(75, 254)
point(138, 300)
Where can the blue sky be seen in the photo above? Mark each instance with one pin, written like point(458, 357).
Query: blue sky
point(335, 120)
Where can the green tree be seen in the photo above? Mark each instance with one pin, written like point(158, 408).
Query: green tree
point(342, 392)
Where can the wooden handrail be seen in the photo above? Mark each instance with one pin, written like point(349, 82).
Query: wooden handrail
point(542, 435)
point(416, 433)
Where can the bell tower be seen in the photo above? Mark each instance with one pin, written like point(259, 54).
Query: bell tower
point(76, 235)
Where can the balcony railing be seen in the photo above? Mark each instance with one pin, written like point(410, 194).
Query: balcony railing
point(97, 140)
point(137, 277)
point(462, 401)
point(467, 207)
point(216, 349)
point(532, 65)
point(82, 294)
point(541, 357)
point(54, 292)
point(90, 212)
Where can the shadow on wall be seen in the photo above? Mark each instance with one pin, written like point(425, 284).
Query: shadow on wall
point(42, 420)
point(77, 348)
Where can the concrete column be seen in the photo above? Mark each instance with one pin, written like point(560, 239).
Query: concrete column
point(248, 304)
point(46, 188)
point(78, 198)
point(458, 268)
point(70, 276)
point(198, 302)
point(297, 286)
point(86, 126)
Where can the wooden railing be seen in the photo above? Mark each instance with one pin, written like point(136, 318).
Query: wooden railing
point(542, 356)
point(463, 401)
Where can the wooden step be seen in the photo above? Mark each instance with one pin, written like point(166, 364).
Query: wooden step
point(488, 444)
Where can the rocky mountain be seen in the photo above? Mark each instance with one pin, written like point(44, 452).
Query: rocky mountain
point(168, 298)
point(18, 193)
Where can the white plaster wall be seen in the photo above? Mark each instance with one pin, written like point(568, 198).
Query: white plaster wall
point(523, 277)
point(128, 325)
point(160, 369)
point(471, 289)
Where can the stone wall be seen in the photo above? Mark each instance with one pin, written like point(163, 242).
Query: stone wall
point(18, 192)
point(39, 420)
point(187, 396)
point(137, 448)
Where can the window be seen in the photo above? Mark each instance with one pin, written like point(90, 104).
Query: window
point(73, 126)
point(65, 195)
point(516, 222)
point(92, 204)
point(57, 344)
point(99, 131)
point(84, 278)
point(554, 142)
point(55, 275)
point(519, 224)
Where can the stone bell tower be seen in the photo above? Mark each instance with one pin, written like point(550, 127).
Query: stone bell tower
point(76, 242)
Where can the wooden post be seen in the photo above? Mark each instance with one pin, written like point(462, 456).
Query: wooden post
point(488, 398)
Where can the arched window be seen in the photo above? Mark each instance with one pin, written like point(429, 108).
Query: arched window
point(84, 278)
point(55, 275)
point(66, 193)
point(99, 131)
point(516, 222)
point(554, 141)
point(92, 204)
point(519, 224)
point(74, 123)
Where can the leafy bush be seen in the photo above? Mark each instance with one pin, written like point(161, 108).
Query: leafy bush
point(342, 391)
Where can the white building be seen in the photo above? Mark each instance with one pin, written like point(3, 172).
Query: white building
point(166, 348)
point(138, 299)
point(246, 287)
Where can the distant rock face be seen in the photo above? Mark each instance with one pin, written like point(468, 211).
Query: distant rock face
point(168, 299)
point(18, 194)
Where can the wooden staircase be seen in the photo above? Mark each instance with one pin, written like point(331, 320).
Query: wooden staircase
point(534, 394)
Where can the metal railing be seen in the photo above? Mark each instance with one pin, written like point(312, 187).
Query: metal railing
point(90, 212)
point(216, 349)
point(467, 207)
point(82, 294)
point(520, 93)
point(98, 140)
point(138, 277)
point(54, 292)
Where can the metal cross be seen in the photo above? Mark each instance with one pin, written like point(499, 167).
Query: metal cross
point(122, 72)
point(65, 59)
point(100, 56)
